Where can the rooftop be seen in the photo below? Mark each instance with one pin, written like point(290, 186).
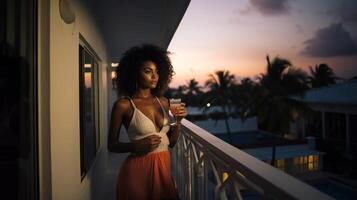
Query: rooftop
point(257, 139)
point(341, 93)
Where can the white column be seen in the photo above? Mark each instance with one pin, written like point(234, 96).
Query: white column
point(323, 125)
point(347, 133)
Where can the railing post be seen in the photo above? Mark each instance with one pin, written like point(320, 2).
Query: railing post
point(205, 181)
point(199, 168)
point(188, 173)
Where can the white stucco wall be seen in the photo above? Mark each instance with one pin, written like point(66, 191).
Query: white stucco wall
point(64, 120)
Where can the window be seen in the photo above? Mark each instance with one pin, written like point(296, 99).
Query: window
point(89, 106)
point(313, 126)
point(336, 126)
point(313, 162)
point(18, 100)
point(306, 163)
point(280, 164)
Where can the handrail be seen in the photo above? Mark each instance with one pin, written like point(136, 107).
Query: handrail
point(200, 159)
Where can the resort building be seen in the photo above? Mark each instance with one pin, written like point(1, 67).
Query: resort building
point(334, 117)
point(294, 156)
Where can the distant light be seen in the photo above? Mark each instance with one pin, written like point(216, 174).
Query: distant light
point(208, 105)
point(87, 80)
point(115, 64)
point(87, 65)
point(225, 176)
point(114, 75)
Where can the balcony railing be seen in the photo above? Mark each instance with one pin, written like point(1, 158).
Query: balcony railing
point(205, 167)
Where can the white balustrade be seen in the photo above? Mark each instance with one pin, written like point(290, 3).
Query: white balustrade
point(205, 167)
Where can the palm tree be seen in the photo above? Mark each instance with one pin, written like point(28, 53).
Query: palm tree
point(192, 87)
point(246, 95)
point(220, 93)
point(179, 92)
point(193, 92)
point(277, 109)
point(321, 75)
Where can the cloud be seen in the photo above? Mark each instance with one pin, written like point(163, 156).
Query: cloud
point(246, 11)
point(331, 41)
point(234, 20)
point(299, 28)
point(346, 11)
point(270, 7)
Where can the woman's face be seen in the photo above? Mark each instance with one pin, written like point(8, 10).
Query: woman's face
point(148, 75)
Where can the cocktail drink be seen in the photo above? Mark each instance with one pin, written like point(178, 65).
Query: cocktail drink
point(175, 105)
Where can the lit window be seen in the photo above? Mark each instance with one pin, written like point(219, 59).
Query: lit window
point(280, 164)
point(306, 163)
point(313, 162)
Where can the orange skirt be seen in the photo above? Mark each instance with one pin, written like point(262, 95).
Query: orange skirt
point(146, 177)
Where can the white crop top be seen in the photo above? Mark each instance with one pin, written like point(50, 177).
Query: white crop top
point(140, 126)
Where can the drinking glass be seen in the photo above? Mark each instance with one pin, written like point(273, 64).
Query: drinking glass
point(175, 105)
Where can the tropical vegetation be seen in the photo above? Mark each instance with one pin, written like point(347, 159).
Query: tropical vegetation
point(271, 96)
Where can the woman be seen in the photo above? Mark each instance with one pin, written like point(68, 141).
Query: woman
point(142, 76)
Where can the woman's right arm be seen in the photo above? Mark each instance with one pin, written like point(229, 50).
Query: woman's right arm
point(116, 121)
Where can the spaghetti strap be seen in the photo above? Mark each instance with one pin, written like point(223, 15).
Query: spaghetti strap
point(132, 102)
point(162, 108)
point(158, 101)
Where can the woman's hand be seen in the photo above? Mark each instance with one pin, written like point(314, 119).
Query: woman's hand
point(175, 128)
point(147, 144)
point(182, 113)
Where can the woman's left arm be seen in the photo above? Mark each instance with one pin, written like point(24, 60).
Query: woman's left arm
point(174, 132)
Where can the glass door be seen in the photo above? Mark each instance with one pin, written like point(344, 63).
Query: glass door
point(18, 100)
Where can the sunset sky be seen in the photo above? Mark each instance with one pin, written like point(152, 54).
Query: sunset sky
point(236, 35)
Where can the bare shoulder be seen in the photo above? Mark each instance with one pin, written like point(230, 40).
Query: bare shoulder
point(165, 102)
point(122, 105)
